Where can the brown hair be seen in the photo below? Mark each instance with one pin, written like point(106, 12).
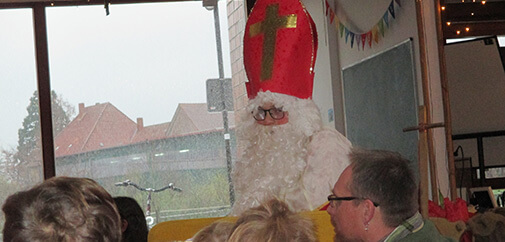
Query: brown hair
point(271, 222)
point(62, 209)
point(132, 213)
point(385, 178)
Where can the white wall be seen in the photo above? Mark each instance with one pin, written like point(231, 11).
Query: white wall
point(322, 94)
point(476, 83)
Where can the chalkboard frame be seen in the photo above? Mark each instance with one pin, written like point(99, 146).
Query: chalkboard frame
point(380, 99)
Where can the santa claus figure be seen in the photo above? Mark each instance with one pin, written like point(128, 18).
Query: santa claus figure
point(287, 153)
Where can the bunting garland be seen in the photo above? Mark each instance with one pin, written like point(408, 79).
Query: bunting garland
point(362, 39)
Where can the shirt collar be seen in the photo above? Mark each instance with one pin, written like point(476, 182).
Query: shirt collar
point(411, 225)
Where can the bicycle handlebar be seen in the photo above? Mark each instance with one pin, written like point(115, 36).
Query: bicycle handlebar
point(129, 183)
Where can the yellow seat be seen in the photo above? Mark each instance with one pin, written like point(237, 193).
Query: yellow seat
point(180, 230)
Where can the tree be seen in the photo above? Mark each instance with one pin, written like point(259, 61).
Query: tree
point(25, 161)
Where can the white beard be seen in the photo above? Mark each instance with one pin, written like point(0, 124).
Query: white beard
point(273, 157)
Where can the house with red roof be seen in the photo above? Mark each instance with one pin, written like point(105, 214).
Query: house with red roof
point(103, 143)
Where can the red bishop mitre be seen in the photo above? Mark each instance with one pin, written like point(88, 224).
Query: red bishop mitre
point(280, 45)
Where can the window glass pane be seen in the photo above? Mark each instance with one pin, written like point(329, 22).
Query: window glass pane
point(137, 82)
point(501, 40)
point(495, 172)
point(21, 156)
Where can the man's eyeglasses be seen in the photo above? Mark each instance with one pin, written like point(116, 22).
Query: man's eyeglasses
point(332, 199)
point(260, 114)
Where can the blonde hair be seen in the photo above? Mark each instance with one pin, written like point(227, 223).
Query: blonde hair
point(215, 232)
point(272, 221)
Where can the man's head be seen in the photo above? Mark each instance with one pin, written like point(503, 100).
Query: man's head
point(374, 194)
point(62, 209)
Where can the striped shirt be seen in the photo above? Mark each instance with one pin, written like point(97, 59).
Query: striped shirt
point(411, 225)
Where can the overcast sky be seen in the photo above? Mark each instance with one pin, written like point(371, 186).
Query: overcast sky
point(143, 58)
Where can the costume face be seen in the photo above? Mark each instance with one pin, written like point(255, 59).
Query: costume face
point(273, 159)
point(272, 115)
point(274, 156)
point(345, 214)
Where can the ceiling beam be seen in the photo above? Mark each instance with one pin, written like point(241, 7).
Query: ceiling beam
point(9, 4)
point(475, 30)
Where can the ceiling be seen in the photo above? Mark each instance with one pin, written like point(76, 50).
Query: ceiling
point(473, 18)
point(480, 19)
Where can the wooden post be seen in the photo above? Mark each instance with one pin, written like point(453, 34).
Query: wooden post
point(423, 153)
point(423, 165)
point(426, 98)
point(447, 103)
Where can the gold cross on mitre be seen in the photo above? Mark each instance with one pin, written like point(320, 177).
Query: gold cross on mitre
point(269, 27)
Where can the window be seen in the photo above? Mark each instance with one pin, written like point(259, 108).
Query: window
point(20, 156)
point(128, 94)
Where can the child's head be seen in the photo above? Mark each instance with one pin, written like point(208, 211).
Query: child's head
point(216, 232)
point(272, 221)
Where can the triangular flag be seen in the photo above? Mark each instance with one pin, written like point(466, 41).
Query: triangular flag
point(363, 40)
point(352, 38)
point(391, 9)
point(381, 27)
point(327, 7)
point(375, 34)
point(369, 37)
point(358, 40)
point(386, 18)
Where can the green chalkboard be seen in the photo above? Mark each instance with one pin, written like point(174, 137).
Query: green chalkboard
point(380, 100)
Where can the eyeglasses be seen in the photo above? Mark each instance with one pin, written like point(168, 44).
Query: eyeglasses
point(260, 114)
point(332, 199)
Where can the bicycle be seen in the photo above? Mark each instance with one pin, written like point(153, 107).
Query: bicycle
point(149, 218)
